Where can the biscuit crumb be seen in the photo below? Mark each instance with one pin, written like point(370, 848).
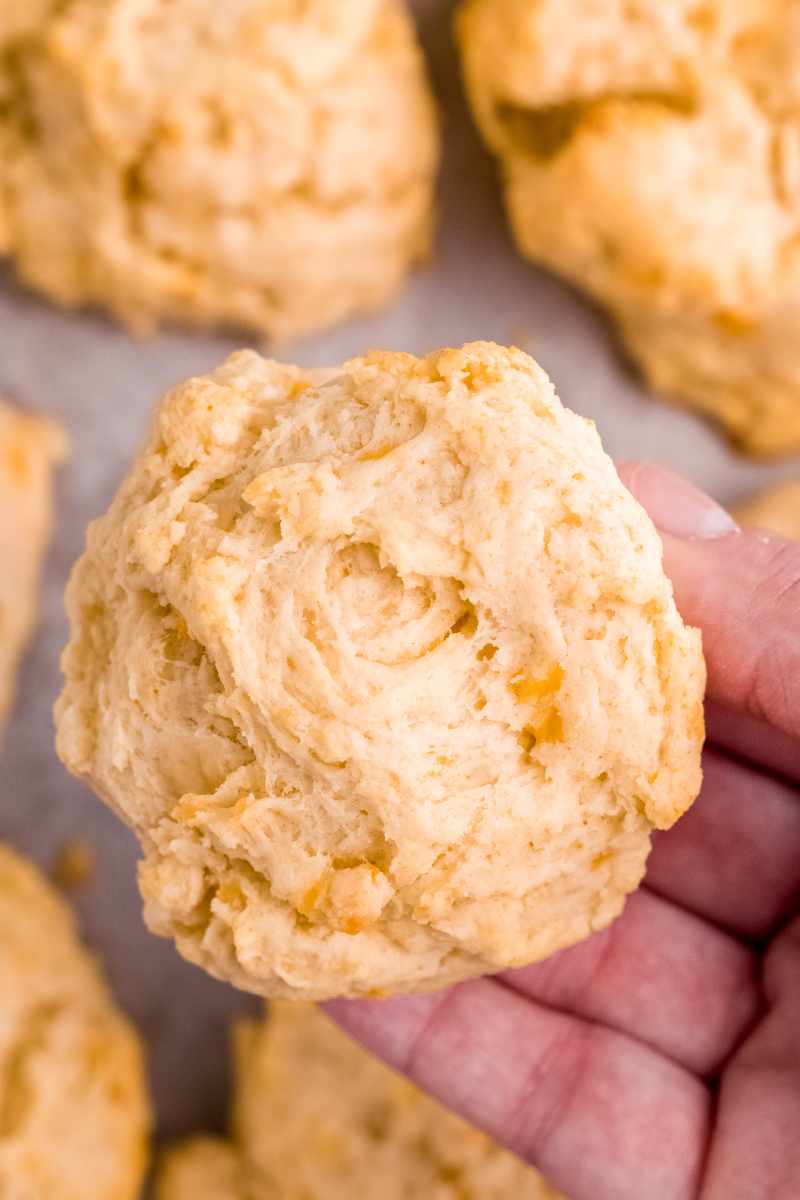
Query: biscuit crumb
point(75, 864)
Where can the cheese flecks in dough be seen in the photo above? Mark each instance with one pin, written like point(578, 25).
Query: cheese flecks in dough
point(257, 164)
point(30, 446)
point(651, 154)
point(74, 1117)
point(382, 666)
point(317, 1116)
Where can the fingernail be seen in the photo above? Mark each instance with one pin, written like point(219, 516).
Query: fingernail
point(676, 506)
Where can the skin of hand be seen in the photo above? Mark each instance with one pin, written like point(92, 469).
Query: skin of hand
point(660, 1059)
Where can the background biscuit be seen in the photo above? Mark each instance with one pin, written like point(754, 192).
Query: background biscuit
point(651, 154)
point(74, 1118)
point(29, 448)
point(777, 509)
point(317, 1116)
point(247, 165)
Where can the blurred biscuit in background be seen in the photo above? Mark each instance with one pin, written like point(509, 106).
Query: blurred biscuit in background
point(74, 1115)
point(315, 1115)
point(777, 510)
point(30, 447)
point(651, 154)
point(250, 164)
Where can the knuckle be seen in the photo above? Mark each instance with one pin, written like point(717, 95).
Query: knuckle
point(782, 963)
point(779, 585)
point(561, 1074)
point(773, 614)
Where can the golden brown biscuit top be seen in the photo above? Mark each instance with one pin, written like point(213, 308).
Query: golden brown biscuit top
point(383, 666)
point(252, 164)
point(698, 259)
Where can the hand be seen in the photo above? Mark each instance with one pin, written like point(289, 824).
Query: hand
point(660, 1059)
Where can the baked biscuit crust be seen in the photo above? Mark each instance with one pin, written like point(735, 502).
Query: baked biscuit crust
point(651, 154)
point(382, 666)
point(317, 1116)
point(257, 164)
point(74, 1117)
point(30, 447)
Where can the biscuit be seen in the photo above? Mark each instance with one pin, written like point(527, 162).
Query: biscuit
point(651, 154)
point(382, 666)
point(29, 449)
point(317, 1116)
point(777, 510)
point(207, 1168)
point(257, 164)
point(74, 1118)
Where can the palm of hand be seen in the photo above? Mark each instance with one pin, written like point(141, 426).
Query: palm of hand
point(661, 1058)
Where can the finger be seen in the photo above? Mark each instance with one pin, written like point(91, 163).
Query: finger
point(753, 740)
point(604, 1117)
point(756, 1150)
point(660, 975)
point(741, 589)
point(734, 858)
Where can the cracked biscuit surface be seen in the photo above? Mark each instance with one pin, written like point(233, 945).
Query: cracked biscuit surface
point(382, 666)
point(777, 510)
point(30, 446)
point(651, 154)
point(74, 1119)
point(262, 163)
point(316, 1116)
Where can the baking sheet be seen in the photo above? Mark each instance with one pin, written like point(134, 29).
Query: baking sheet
point(102, 384)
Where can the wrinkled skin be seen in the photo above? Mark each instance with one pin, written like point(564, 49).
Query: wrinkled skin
point(661, 1058)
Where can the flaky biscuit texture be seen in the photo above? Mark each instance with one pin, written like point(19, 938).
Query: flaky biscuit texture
point(382, 666)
